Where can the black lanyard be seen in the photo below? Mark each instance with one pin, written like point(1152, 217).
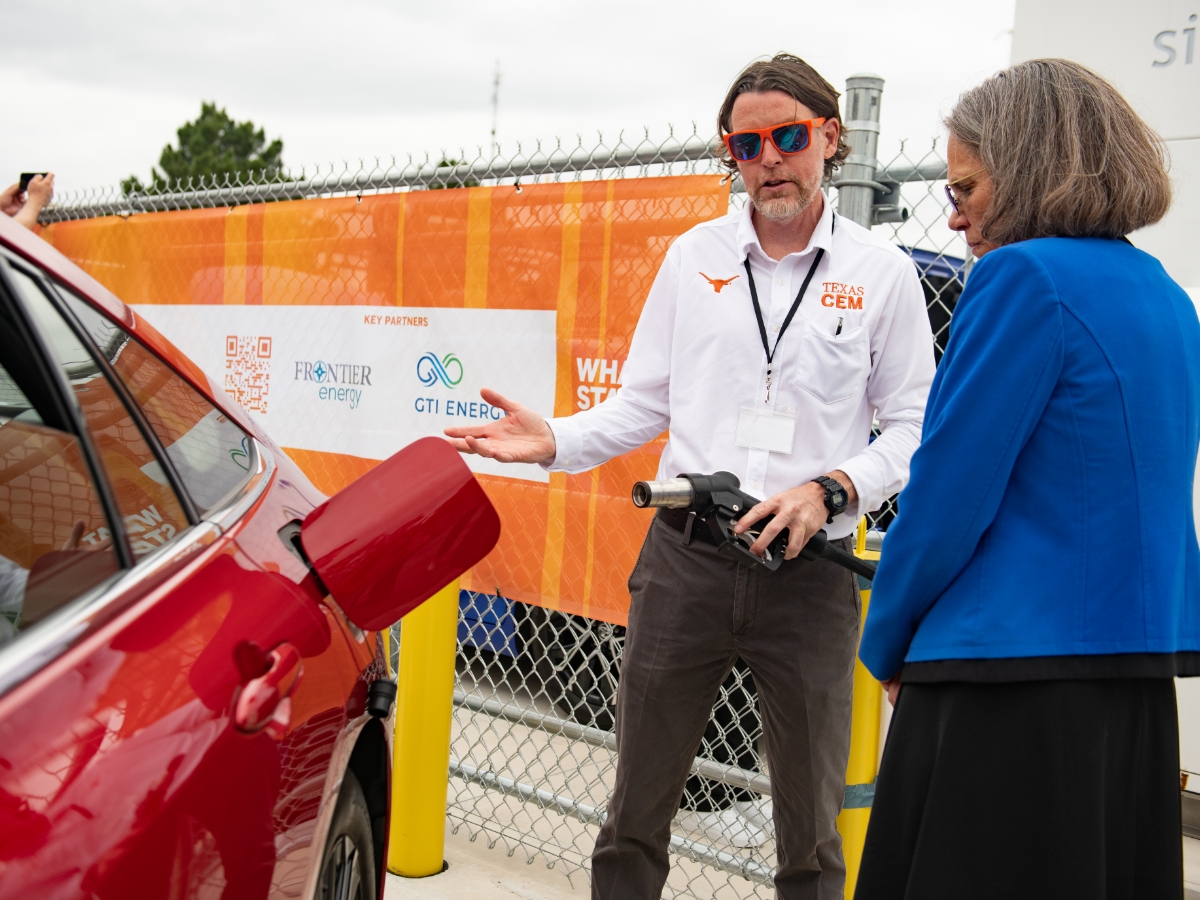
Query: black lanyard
point(762, 327)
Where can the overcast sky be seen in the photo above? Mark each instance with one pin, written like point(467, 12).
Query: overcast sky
point(93, 89)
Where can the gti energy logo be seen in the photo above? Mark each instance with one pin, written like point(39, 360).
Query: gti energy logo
point(448, 370)
point(448, 373)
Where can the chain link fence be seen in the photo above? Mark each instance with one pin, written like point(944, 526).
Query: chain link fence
point(533, 755)
point(533, 752)
point(628, 156)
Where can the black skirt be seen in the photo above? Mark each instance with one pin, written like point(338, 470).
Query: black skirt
point(1055, 789)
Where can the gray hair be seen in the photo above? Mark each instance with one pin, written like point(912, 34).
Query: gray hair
point(1067, 154)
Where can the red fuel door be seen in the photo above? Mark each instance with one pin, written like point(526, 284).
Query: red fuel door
point(400, 533)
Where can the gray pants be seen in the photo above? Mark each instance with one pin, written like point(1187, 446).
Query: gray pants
point(694, 612)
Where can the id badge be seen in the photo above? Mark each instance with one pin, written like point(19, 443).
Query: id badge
point(761, 428)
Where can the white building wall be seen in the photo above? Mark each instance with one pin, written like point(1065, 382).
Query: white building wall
point(1149, 50)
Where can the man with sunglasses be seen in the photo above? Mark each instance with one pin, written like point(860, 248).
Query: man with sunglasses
point(772, 339)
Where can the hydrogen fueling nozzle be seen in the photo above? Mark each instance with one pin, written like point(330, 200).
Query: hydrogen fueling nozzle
point(674, 493)
point(717, 502)
point(688, 491)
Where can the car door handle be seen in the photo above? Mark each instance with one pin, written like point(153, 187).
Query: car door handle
point(264, 703)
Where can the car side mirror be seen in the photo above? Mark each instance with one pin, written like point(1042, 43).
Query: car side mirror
point(400, 533)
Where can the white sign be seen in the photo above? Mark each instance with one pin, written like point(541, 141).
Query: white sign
point(367, 380)
point(1147, 49)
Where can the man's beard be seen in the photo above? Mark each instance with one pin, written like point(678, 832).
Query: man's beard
point(780, 209)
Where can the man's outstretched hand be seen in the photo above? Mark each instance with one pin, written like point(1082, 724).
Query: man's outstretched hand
point(521, 436)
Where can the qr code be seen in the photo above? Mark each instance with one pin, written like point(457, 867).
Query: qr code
point(248, 370)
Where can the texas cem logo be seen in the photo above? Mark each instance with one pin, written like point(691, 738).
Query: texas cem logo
point(448, 370)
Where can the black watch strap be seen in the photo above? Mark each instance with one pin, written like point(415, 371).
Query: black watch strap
point(833, 488)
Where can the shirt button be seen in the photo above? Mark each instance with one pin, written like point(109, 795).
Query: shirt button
point(781, 282)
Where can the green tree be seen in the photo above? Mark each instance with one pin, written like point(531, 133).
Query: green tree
point(453, 182)
point(214, 146)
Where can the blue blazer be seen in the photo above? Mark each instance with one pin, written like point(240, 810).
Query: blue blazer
point(1049, 511)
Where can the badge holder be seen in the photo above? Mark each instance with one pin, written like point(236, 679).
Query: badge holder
point(761, 428)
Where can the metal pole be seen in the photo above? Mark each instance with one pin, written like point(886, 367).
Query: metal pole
point(495, 110)
point(856, 180)
point(412, 175)
point(421, 759)
point(863, 765)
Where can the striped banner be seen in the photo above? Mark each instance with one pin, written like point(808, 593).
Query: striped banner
point(343, 388)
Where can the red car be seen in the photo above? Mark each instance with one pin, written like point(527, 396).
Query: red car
point(192, 701)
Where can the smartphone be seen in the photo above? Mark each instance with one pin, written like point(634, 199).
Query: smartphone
point(27, 177)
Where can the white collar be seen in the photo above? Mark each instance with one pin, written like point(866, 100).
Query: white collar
point(822, 236)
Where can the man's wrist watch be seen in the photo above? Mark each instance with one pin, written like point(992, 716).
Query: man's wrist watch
point(836, 497)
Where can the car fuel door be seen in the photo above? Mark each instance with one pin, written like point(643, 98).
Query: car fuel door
point(400, 533)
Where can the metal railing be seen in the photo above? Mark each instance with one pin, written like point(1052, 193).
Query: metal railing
point(669, 157)
point(645, 158)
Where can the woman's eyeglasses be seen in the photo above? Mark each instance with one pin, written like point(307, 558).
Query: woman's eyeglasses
point(952, 191)
point(790, 138)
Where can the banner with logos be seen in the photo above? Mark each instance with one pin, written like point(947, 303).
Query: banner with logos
point(346, 380)
point(352, 326)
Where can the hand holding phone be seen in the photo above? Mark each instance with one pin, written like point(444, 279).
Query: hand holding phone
point(26, 199)
point(27, 177)
point(39, 190)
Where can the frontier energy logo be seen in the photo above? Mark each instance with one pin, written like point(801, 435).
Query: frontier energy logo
point(340, 382)
point(431, 370)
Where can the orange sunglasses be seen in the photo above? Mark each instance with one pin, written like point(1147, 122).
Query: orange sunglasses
point(789, 138)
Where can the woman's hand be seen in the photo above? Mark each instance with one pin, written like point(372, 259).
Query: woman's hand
point(521, 436)
point(37, 195)
point(892, 687)
point(12, 198)
point(40, 190)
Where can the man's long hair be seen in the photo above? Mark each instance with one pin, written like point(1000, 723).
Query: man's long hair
point(796, 78)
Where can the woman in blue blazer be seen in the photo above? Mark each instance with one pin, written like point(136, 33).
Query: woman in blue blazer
point(1040, 588)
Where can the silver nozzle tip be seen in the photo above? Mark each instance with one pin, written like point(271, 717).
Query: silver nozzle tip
point(675, 493)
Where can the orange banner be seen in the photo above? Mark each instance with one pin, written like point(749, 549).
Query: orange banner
point(587, 250)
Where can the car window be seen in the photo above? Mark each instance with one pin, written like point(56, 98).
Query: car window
point(211, 454)
point(48, 500)
point(151, 512)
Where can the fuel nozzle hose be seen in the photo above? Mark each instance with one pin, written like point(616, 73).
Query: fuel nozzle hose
point(718, 501)
point(818, 547)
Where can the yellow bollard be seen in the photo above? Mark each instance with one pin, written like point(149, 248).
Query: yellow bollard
point(421, 758)
point(864, 744)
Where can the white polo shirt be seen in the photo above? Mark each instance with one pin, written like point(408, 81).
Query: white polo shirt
point(697, 354)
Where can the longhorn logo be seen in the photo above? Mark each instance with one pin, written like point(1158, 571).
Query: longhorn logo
point(718, 283)
point(430, 370)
